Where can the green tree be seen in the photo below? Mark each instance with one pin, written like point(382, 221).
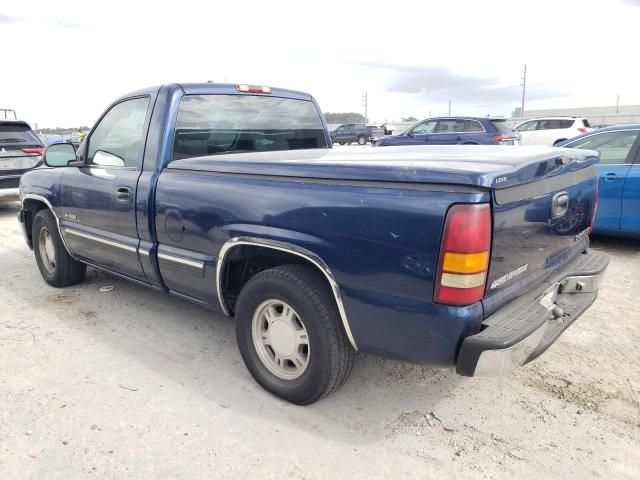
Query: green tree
point(63, 130)
point(344, 117)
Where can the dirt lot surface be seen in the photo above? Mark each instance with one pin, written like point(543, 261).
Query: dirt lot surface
point(135, 384)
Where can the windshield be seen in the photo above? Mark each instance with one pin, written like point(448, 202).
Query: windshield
point(215, 124)
point(502, 126)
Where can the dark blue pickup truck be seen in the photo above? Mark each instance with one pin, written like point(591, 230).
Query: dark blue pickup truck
point(231, 197)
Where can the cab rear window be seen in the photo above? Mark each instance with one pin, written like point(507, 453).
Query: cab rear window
point(216, 124)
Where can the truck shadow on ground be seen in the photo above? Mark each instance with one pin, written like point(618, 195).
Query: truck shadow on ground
point(194, 348)
point(9, 209)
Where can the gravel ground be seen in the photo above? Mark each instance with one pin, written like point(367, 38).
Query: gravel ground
point(135, 384)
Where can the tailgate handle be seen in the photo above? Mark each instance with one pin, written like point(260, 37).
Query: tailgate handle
point(559, 204)
point(124, 194)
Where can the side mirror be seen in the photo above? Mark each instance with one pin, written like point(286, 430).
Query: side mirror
point(106, 159)
point(59, 155)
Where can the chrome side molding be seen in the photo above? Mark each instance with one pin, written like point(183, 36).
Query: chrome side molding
point(289, 248)
point(104, 241)
point(181, 260)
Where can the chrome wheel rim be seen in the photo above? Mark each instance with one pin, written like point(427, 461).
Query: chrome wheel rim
point(280, 339)
point(47, 250)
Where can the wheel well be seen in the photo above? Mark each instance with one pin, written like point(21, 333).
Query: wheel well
point(31, 207)
point(245, 261)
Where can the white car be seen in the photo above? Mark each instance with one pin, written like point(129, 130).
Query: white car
point(549, 131)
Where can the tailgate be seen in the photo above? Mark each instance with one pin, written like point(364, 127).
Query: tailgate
point(15, 160)
point(539, 226)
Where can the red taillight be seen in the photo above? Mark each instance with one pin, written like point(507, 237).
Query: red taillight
point(37, 150)
point(582, 130)
point(503, 138)
point(595, 208)
point(252, 89)
point(464, 255)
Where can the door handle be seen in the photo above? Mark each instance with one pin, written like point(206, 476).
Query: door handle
point(124, 194)
point(610, 176)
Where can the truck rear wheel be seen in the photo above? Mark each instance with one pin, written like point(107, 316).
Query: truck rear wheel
point(54, 262)
point(290, 336)
point(361, 140)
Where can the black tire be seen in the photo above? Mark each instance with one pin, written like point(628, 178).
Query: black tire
point(330, 353)
point(362, 140)
point(340, 143)
point(65, 271)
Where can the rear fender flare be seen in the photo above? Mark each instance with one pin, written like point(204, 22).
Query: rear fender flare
point(291, 248)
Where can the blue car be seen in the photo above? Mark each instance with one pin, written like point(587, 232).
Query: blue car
point(618, 177)
point(455, 131)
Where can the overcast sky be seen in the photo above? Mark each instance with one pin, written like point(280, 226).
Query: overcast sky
point(64, 61)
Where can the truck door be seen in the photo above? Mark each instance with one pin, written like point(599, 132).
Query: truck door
point(98, 198)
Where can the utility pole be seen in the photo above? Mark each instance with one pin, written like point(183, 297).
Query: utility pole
point(449, 107)
point(523, 83)
point(365, 104)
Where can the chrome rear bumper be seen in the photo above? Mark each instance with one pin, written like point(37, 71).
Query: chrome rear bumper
point(523, 329)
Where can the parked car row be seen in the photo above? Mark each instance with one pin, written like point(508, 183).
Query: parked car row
point(619, 170)
point(467, 131)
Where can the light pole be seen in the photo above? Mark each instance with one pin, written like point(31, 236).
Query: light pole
point(523, 83)
point(365, 104)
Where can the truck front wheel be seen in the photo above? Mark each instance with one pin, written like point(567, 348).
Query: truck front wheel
point(290, 336)
point(54, 262)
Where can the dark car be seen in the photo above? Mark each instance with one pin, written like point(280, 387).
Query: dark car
point(20, 150)
point(455, 131)
point(356, 132)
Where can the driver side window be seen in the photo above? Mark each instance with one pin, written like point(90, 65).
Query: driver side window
point(117, 139)
point(424, 127)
